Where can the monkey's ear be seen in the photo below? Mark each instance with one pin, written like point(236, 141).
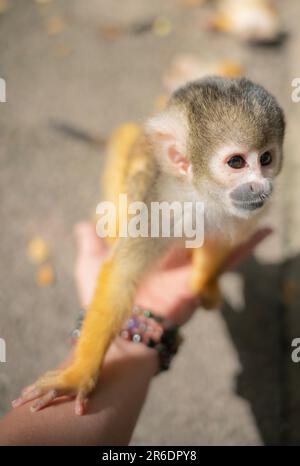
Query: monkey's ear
point(168, 132)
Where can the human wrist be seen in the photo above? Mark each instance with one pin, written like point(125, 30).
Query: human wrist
point(153, 331)
point(143, 330)
point(121, 350)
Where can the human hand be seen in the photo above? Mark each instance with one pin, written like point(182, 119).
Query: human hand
point(165, 290)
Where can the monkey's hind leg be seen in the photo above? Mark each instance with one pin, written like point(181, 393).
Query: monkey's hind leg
point(207, 262)
point(111, 304)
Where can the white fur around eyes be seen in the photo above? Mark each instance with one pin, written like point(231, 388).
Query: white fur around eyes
point(229, 177)
point(219, 169)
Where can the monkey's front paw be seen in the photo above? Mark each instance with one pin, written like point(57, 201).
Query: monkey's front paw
point(69, 382)
point(208, 291)
point(211, 296)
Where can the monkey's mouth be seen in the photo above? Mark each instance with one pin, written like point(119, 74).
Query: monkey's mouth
point(249, 201)
point(249, 205)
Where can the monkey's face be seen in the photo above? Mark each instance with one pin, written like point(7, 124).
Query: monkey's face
point(225, 137)
point(243, 177)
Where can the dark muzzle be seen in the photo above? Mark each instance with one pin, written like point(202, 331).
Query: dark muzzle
point(251, 196)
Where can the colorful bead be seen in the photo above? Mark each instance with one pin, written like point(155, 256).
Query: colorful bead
point(132, 323)
point(136, 338)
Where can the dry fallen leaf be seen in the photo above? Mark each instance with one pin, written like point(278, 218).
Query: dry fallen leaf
point(38, 250)
point(3, 6)
point(111, 32)
point(55, 25)
point(45, 275)
point(162, 26)
point(229, 69)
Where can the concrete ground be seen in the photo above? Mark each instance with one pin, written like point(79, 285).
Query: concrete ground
point(233, 382)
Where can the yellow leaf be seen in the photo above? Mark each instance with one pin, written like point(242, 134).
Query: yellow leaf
point(55, 25)
point(230, 69)
point(38, 250)
point(111, 32)
point(45, 275)
point(3, 6)
point(162, 26)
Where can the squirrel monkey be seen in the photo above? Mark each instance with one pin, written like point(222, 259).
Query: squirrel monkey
point(218, 141)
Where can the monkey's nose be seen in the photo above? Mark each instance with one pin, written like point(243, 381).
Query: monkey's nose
point(256, 188)
point(246, 192)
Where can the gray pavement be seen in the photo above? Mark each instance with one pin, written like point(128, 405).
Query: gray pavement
point(233, 382)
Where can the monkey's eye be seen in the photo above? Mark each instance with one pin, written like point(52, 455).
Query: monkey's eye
point(266, 158)
point(237, 162)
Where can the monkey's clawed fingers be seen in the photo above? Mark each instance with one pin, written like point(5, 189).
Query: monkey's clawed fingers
point(50, 387)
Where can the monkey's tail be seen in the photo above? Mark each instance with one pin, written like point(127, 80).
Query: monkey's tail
point(114, 180)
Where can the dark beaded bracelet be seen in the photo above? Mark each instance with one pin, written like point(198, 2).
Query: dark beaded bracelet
point(155, 332)
point(145, 327)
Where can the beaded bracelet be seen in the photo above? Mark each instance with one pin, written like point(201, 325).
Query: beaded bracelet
point(145, 327)
point(155, 332)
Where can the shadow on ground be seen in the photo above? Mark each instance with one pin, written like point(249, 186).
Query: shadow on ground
point(266, 368)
